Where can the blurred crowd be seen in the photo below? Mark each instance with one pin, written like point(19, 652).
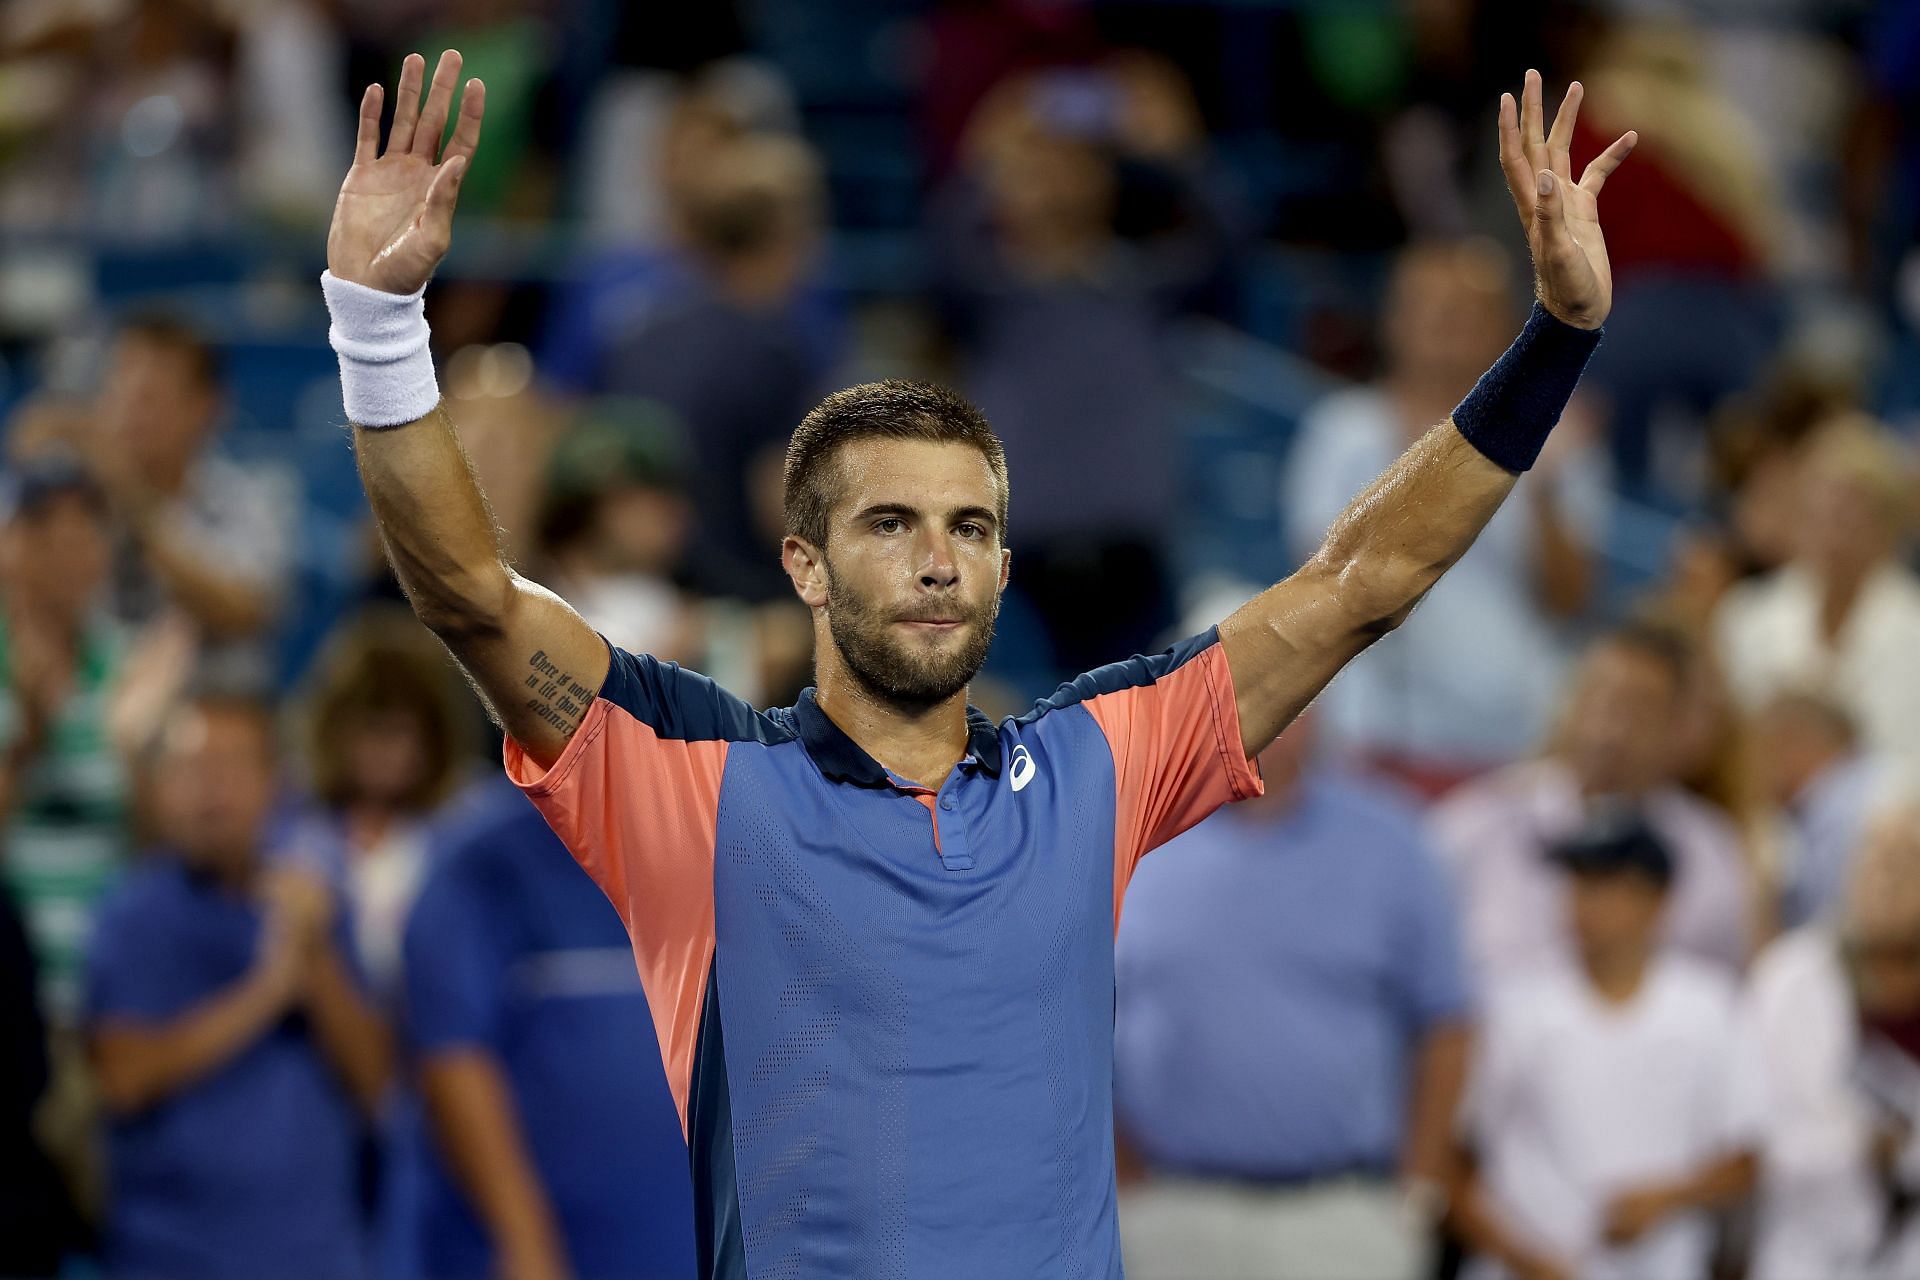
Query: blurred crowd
point(1578, 934)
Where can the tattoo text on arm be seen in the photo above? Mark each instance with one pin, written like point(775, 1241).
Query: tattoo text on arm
point(553, 695)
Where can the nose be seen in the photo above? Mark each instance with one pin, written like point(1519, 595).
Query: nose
point(939, 567)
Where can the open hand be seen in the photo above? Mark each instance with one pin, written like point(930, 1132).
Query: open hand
point(394, 218)
point(1561, 216)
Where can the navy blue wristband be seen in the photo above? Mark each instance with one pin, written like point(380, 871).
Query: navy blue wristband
point(1513, 407)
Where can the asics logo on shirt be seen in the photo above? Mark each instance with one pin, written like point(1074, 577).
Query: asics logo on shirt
point(1022, 769)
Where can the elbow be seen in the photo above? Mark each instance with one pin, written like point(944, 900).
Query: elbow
point(475, 610)
point(1376, 593)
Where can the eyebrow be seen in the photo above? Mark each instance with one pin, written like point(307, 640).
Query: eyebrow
point(978, 514)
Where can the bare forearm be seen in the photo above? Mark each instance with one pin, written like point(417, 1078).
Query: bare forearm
point(221, 603)
point(139, 1064)
point(1439, 1075)
point(1720, 1184)
point(535, 663)
point(478, 1128)
point(1408, 527)
point(435, 524)
point(354, 1037)
point(1382, 554)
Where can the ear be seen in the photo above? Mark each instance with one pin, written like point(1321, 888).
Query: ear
point(1006, 567)
point(807, 566)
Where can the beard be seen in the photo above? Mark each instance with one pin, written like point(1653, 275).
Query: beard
point(906, 672)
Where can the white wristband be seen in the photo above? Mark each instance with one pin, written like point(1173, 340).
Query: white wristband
point(386, 370)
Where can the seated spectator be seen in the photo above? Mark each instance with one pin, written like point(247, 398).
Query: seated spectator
point(1468, 682)
point(199, 533)
point(390, 736)
point(233, 1042)
point(556, 1147)
point(1615, 747)
point(1817, 777)
point(1835, 1006)
point(1290, 1034)
point(64, 784)
point(1612, 1106)
point(1059, 319)
point(1844, 615)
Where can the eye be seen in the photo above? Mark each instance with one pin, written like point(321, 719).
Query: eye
point(889, 525)
point(968, 529)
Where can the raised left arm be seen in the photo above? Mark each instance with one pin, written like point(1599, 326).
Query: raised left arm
point(1409, 526)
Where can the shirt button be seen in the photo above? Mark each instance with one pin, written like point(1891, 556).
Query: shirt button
point(946, 802)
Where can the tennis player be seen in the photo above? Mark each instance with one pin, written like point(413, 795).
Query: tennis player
point(875, 928)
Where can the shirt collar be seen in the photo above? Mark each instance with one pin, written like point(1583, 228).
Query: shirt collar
point(841, 758)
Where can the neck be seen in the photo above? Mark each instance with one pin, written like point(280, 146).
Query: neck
point(1617, 974)
point(920, 743)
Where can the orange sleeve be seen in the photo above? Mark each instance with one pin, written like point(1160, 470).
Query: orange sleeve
point(1177, 756)
point(638, 811)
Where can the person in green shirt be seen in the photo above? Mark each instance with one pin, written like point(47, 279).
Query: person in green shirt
point(64, 786)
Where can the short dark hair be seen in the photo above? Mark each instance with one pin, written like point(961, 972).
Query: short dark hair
point(891, 410)
point(164, 329)
point(1653, 637)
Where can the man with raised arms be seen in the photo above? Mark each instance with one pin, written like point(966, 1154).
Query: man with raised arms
point(875, 928)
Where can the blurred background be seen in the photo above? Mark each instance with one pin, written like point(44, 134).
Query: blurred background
point(294, 985)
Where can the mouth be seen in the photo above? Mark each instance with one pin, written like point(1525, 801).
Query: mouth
point(932, 624)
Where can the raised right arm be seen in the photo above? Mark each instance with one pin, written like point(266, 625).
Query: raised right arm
point(535, 662)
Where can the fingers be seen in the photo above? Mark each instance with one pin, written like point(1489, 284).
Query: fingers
point(441, 198)
point(1533, 117)
point(1513, 158)
point(366, 144)
point(433, 118)
point(1560, 138)
point(406, 104)
point(1549, 218)
point(466, 131)
point(1607, 161)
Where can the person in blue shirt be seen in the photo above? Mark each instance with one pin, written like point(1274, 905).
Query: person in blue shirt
point(557, 1148)
point(235, 1048)
point(1291, 1034)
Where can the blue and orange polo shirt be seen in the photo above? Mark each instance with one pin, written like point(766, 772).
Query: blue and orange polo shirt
point(886, 1011)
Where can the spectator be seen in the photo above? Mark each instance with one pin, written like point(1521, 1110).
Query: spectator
point(1467, 683)
point(613, 525)
point(1844, 615)
point(1828, 789)
point(229, 1030)
point(389, 735)
point(1290, 1034)
point(1835, 1006)
point(199, 532)
point(730, 354)
point(1612, 1106)
point(1060, 322)
point(557, 1147)
point(1614, 747)
point(1694, 231)
point(63, 780)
